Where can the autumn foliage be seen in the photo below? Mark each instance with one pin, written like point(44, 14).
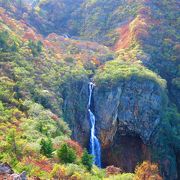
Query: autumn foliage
point(112, 170)
point(147, 171)
point(75, 145)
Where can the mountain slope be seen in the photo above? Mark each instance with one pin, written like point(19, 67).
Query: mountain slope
point(142, 30)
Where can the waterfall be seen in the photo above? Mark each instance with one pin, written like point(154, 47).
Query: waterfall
point(95, 147)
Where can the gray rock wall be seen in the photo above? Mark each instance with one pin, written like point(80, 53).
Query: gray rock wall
point(129, 107)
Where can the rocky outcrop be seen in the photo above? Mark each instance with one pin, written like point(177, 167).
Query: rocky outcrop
point(128, 117)
point(75, 97)
point(5, 169)
point(6, 172)
point(131, 107)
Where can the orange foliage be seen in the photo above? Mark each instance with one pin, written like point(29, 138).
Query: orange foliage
point(58, 45)
point(137, 29)
point(2, 10)
point(75, 145)
point(140, 27)
point(147, 171)
point(47, 44)
point(30, 35)
point(95, 61)
point(52, 36)
point(134, 30)
point(125, 37)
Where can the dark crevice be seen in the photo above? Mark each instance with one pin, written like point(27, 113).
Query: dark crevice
point(126, 152)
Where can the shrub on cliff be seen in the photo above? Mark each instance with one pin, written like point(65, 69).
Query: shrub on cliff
point(112, 170)
point(115, 71)
point(66, 154)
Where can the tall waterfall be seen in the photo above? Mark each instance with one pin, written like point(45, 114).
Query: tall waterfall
point(95, 147)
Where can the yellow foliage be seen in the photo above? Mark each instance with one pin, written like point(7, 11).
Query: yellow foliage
point(58, 172)
point(147, 171)
point(76, 176)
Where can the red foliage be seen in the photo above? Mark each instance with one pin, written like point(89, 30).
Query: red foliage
point(30, 35)
point(111, 170)
point(43, 164)
point(54, 117)
point(75, 145)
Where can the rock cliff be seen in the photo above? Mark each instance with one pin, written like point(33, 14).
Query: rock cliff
point(129, 117)
point(75, 109)
point(6, 172)
point(130, 107)
point(127, 114)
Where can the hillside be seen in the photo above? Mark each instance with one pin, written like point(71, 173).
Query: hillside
point(146, 30)
point(50, 50)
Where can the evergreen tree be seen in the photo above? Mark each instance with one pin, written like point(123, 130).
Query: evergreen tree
point(3, 41)
point(36, 47)
point(66, 154)
point(46, 147)
point(7, 44)
point(87, 160)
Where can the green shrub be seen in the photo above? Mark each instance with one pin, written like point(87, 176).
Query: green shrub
point(125, 176)
point(69, 60)
point(66, 154)
point(36, 47)
point(6, 43)
point(87, 160)
point(46, 147)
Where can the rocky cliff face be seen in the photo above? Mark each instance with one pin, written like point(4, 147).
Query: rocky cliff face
point(130, 107)
point(6, 172)
point(129, 124)
point(128, 115)
point(75, 109)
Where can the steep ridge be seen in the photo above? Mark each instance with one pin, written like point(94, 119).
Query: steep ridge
point(152, 38)
point(89, 20)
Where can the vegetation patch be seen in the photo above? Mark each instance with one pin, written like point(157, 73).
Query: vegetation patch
point(116, 71)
